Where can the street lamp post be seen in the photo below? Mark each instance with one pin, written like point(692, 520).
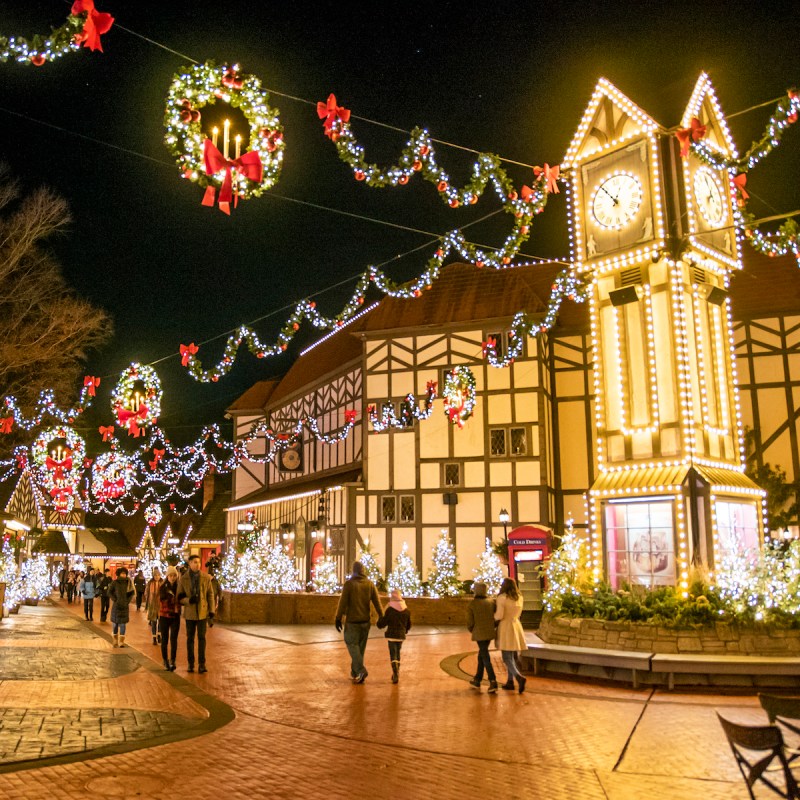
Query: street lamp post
point(504, 517)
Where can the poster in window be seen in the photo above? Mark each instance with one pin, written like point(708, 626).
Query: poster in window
point(651, 553)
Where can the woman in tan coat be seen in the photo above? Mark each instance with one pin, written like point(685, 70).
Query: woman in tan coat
point(510, 636)
point(152, 602)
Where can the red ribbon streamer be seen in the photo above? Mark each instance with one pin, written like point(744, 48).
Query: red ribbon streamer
point(694, 133)
point(97, 23)
point(550, 177)
point(249, 165)
point(330, 112)
point(188, 350)
point(739, 181)
point(91, 383)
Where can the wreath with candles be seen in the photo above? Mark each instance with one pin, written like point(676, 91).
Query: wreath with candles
point(84, 26)
point(137, 407)
point(112, 476)
point(243, 173)
point(153, 514)
point(59, 470)
point(459, 395)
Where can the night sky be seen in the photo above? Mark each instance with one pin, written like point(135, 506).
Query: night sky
point(508, 78)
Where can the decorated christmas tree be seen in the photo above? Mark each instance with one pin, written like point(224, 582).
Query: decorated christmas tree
point(490, 569)
point(371, 567)
point(404, 576)
point(567, 569)
point(443, 580)
point(35, 579)
point(325, 579)
point(150, 562)
point(263, 569)
point(9, 575)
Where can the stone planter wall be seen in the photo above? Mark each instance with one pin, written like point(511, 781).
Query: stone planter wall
point(718, 639)
point(308, 609)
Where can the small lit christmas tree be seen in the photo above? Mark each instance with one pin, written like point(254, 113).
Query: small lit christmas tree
point(35, 579)
point(490, 569)
point(9, 575)
point(325, 580)
point(404, 576)
point(371, 567)
point(279, 573)
point(267, 569)
point(567, 569)
point(443, 580)
point(150, 562)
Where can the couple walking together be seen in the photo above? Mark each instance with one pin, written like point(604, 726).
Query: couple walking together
point(359, 595)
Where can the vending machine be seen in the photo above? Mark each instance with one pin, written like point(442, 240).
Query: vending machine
point(529, 548)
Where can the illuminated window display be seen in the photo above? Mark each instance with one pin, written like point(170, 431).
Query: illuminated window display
point(737, 527)
point(641, 543)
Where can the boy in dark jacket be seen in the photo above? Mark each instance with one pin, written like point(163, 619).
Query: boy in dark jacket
point(480, 621)
point(397, 621)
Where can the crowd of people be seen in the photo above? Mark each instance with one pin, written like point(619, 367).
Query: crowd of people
point(182, 592)
point(193, 595)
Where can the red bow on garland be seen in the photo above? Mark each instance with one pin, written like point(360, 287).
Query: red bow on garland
point(158, 454)
point(739, 181)
point(550, 177)
point(58, 492)
point(97, 23)
point(6, 423)
point(489, 344)
point(114, 488)
point(107, 431)
point(132, 420)
point(248, 165)
point(91, 383)
point(58, 467)
point(694, 133)
point(330, 112)
point(349, 417)
point(187, 351)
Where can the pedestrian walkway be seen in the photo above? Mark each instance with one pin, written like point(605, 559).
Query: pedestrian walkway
point(302, 729)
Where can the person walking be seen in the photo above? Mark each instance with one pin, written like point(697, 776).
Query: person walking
point(480, 623)
point(396, 619)
point(510, 636)
point(86, 590)
point(121, 593)
point(102, 591)
point(62, 580)
point(169, 618)
point(358, 594)
point(196, 595)
point(152, 603)
point(139, 585)
point(71, 585)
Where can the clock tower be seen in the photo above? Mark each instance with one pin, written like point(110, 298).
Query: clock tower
point(653, 230)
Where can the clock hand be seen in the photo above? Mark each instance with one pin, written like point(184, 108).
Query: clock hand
point(615, 200)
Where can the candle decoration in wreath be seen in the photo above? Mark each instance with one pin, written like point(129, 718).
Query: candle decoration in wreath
point(58, 455)
point(153, 514)
point(112, 476)
point(236, 174)
point(136, 399)
point(459, 395)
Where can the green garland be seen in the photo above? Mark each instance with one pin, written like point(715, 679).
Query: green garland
point(42, 48)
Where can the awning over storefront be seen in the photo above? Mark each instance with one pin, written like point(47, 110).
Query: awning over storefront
point(721, 480)
point(51, 543)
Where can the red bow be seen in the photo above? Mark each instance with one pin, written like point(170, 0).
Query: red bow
point(107, 431)
point(114, 488)
point(187, 351)
point(550, 177)
point(91, 384)
point(432, 385)
point(694, 133)
point(132, 419)
point(332, 113)
point(6, 423)
point(248, 165)
point(739, 181)
point(489, 344)
point(58, 467)
point(526, 193)
point(96, 24)
point(158, 453)
point(349, 417)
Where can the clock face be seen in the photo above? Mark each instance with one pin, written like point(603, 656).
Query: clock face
point(290, 459)
point(617, 200)
point(708, 196)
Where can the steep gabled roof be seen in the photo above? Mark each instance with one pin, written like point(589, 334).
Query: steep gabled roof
point(704, 105)
point(255, 399)
point(211, 526)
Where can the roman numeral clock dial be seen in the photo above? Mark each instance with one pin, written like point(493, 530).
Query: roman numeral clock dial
point(617, 200)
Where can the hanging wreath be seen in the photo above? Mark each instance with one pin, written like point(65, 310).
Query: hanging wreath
point(136, 399)
point(245, 174)
point(153, 514)
point(112, 476)
point(459, 395)
point(84, 26)
point(58, 454)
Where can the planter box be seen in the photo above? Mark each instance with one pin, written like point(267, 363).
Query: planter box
point(304, 608)
point(722, 638)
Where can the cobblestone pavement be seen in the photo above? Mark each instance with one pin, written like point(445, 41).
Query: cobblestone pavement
point(303, 730)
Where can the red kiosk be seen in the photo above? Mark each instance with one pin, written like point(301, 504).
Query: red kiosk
point(529, 546)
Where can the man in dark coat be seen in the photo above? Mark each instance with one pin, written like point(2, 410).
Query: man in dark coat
point(354, 605)
point(102, 592)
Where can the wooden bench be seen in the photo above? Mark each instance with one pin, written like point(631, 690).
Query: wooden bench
point(703, 663)
point(540, 651)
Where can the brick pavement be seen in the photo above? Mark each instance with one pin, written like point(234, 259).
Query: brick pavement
point(302, 730)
